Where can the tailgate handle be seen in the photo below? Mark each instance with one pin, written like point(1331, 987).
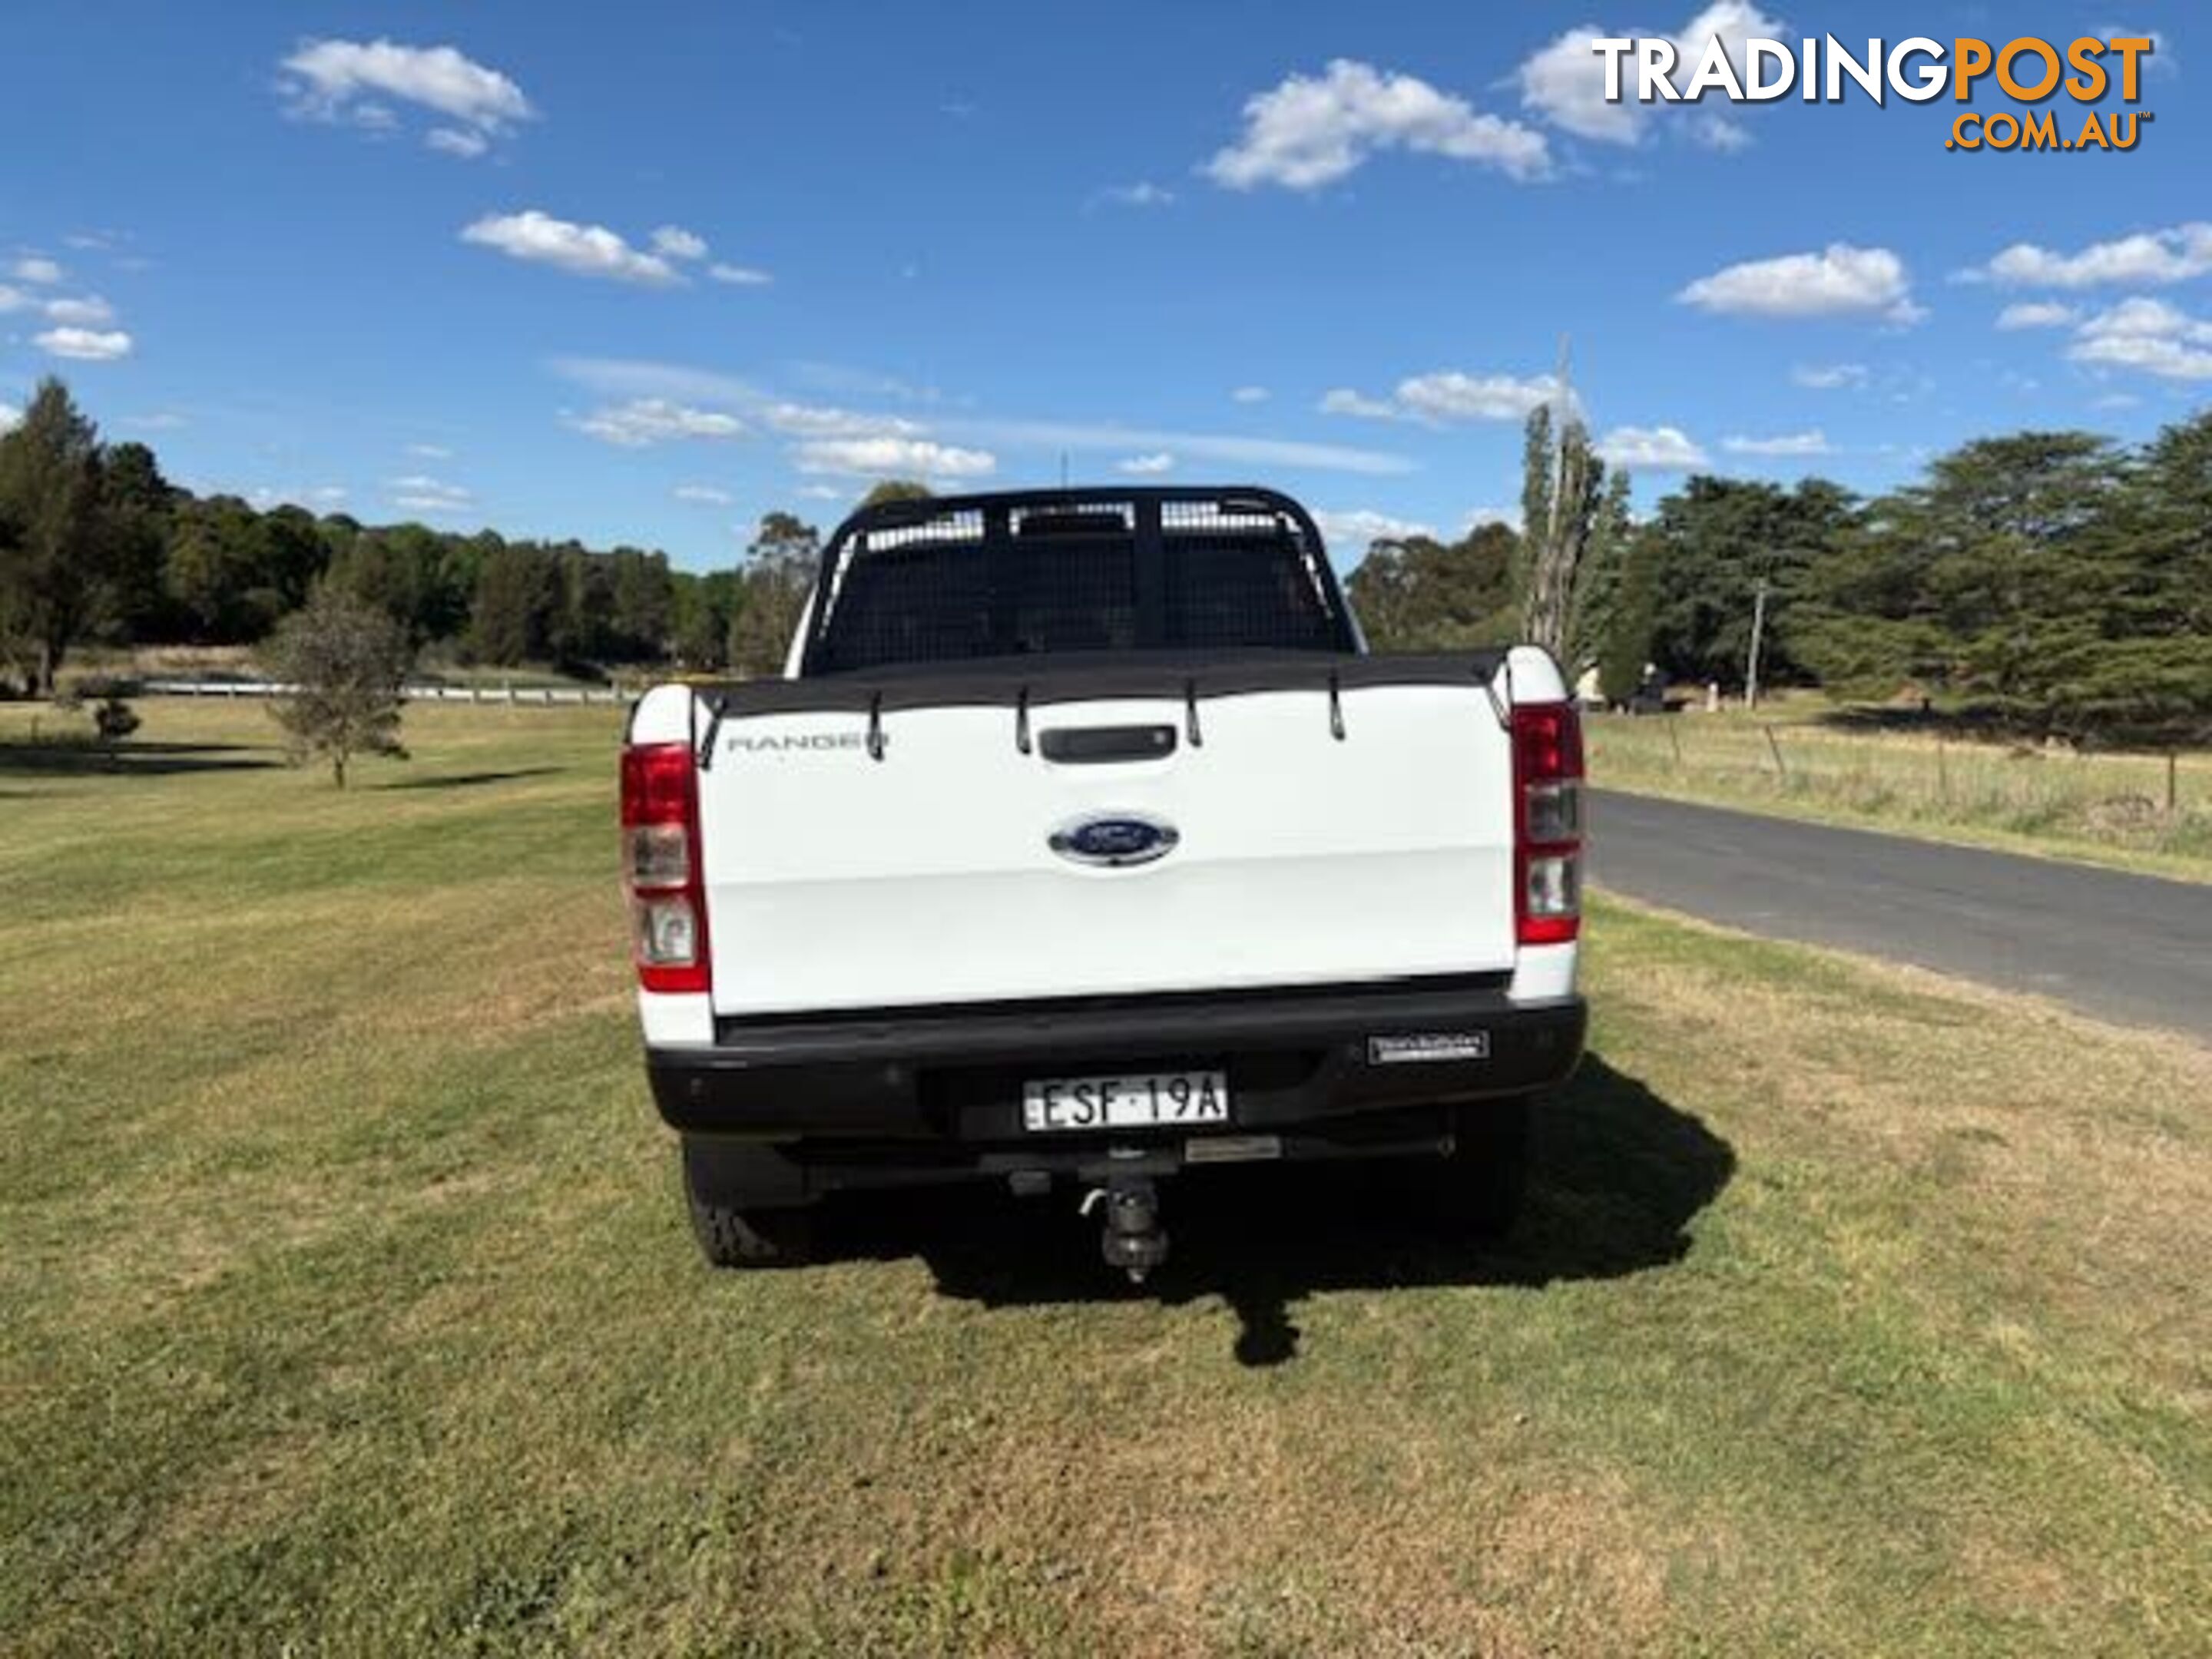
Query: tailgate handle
point(1095, 745)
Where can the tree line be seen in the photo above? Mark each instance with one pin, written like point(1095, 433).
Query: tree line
point(97, 547)
point(2055, 583)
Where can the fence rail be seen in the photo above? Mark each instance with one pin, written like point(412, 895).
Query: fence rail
point(519, 696)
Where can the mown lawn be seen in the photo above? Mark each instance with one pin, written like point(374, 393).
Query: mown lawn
point(349, 1307)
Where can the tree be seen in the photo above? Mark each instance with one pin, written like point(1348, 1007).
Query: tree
point(1560, 489)
point(136, 503)
point(1599, 578)
point(1718, 539)
point(51, 554)
point(346, 661)
point(2152, 555)
point(701, 609)
point(772, 588)
point(514, 595)
point(1622, 643)
point(643, 602)
point(1420, 594)
point(1997, 576)
point(897, 489)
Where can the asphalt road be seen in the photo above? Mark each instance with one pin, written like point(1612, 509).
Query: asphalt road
point(2125, 947)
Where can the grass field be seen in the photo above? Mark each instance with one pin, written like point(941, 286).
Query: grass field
point(349, 1307)
point(2101, 808)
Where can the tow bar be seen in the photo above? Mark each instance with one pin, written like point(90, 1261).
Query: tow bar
point(1133, 1239)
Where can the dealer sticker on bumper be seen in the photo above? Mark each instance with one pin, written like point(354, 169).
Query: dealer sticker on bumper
point(1423, 1048)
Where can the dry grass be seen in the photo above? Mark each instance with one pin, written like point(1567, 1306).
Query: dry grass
point(349, 1307)
point(2104, 808)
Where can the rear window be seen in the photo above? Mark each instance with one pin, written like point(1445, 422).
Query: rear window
point(1009, 580)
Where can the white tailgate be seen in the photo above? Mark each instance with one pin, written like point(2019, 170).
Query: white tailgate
point(838, 881)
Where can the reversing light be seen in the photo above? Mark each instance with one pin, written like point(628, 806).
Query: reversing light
point(1548, 808)
point(660, 867)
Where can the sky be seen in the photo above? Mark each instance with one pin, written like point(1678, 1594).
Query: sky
point(639, 273)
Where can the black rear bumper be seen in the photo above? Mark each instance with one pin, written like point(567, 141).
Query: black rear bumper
point(937, 1082)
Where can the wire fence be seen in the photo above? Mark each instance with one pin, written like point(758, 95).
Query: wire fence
point(2160, 800)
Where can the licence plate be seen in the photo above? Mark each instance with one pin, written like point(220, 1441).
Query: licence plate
point(1141, 1100)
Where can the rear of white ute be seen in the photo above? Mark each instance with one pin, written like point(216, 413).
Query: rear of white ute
point(1084, 841)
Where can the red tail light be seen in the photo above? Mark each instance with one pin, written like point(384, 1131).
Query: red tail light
point(1548, 797)
point(660, 867)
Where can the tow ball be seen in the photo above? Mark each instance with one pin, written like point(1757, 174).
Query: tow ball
point(1133, 1238)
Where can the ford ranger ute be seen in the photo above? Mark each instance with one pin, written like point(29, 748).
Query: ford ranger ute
point(1081, 842)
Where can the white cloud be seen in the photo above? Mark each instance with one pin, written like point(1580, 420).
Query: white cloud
point(346, 80)
point(1361, 527)
point(1343, 400)
point(1310, 131)
point(457, 141)
point(1565, 82)
point(1147, 466)
point(823, 492)
point(1717, 132)
point(2115, 400)
point(1829, 377)
point(674, 242)
point(797, 420)
point(32, 267)
point(643, 422)
point(2036, 313)
point(2150, 336)
point(703, 496)
point(161, 420)
point(1653, 448)
point(10, 418)
point(85, 345)
point(887, 457)
point(581, 250)
point(1839, 281)
point(633, 377)
point(13, 299)
point(1812, 443)
point(418, 493)
point(738, 276)
point(1233, 448)
point(1448, 395)
point(1479, 516)
point(617, 377)
point(430, 452)
point(87, 311)
point(1251, 394)
point(1143, 193)
point(2173, 255)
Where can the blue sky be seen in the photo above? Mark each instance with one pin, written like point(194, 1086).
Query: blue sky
point(402, 259)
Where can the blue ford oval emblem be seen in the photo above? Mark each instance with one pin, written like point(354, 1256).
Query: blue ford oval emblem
point(1113, 839)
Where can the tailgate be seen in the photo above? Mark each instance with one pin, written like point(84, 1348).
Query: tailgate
point(837, 880)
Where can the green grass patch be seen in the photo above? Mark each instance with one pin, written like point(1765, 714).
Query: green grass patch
point(350, 1306)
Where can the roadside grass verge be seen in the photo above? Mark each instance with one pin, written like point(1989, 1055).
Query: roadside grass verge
point(350, 1306)
point(2098, 808)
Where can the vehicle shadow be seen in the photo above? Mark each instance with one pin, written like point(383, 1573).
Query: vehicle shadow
point(1619, 1176)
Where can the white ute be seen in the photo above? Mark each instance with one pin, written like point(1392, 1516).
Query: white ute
point(1081, 840)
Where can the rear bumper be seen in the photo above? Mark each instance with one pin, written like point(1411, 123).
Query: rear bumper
point(951, 1079)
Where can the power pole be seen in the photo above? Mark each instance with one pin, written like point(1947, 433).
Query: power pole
point(1757, 629)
